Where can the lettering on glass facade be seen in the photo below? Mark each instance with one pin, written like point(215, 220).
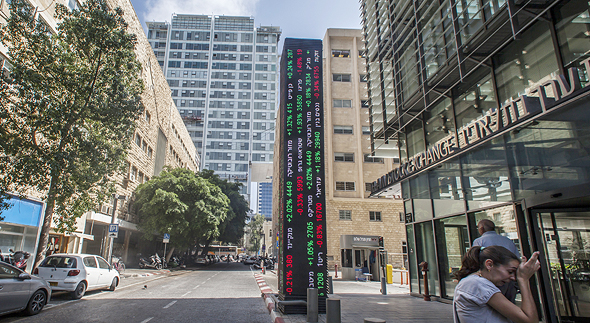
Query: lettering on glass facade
point(302, 252)
point(496, 121)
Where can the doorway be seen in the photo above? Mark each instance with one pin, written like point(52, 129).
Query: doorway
point(564, 239)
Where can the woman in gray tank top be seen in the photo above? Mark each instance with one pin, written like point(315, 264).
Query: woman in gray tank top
point(477, 297)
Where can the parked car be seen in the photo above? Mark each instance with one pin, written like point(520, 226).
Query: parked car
point(78, 273)
point(202, 260)
point(20, 291)
point(250, 261)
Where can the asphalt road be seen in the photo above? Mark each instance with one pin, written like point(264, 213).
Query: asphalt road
point(222, 292)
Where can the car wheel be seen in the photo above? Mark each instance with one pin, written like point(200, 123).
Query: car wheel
point(79, 291)
point(36, 303)
point(114, 284)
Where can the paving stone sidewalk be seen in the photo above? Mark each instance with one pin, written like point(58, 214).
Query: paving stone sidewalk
point(360, 300)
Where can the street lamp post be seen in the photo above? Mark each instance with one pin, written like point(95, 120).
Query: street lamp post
point(111, 239)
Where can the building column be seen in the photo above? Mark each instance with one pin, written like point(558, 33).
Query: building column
point(126, 245)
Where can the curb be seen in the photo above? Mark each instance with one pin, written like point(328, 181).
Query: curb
point(266, 293)
point(154, 273)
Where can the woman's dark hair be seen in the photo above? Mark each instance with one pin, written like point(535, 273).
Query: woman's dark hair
point(475, 258)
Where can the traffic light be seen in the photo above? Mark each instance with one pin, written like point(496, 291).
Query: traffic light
point(381, 242)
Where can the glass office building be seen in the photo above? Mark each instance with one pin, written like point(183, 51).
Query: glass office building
point(222, 71)
point(265, 200)
point(487, 105)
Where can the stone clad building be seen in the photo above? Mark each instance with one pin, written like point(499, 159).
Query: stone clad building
point(160, 140)
point(354, 222)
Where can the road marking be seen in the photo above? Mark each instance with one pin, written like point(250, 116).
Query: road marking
point(147, 320)
point(197, 286)
point(183, 295)
point(143, 282)
point(170, 304)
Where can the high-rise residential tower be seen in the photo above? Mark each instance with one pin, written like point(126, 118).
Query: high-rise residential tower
point(222, 71)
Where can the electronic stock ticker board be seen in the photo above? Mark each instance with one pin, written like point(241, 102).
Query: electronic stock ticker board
point(302, 218)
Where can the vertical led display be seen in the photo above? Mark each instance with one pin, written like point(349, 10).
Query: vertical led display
point(302, 216)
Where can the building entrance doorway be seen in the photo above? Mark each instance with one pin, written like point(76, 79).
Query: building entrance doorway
point(564, 239)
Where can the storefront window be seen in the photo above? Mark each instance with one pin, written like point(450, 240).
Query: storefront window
point(421, 197)
point(485, 174)
point(346, 258)
point(504, 219)
point(426, 252)
point(573, 33)
point(550, 154)
point(413, 267)
point(453, 243)
point(446, 189)
point(526, 63)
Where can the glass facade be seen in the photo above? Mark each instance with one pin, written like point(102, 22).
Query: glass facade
point(490, 114)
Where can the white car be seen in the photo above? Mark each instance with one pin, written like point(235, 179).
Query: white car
point(78, 273)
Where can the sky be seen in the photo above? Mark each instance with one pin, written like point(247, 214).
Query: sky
point(297, 19)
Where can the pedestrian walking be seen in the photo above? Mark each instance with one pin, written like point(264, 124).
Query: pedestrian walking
point(478, 299)
point(489, 237)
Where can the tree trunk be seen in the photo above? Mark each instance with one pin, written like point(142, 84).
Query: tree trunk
point(45, 227)
point(169, 254)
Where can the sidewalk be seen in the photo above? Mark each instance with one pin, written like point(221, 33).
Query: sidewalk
point(360, 300)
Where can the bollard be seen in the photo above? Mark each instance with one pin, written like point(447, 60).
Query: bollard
point(263, 269)
point(336, 271)
point(312, 305)
point(373, 320)
point(383, 285)
point(424, 267)
point(333, 312)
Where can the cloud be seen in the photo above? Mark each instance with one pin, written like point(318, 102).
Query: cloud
point(160, 10)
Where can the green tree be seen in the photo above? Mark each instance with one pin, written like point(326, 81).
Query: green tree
point(232, 229)
point(68, 109)
point(183, 204)
point(255, 228)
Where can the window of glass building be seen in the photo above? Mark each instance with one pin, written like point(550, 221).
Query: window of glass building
point(453, 242)
point(420, 193)
point(469, 17)
point(414, 138)
point(344, 157)
point(363, 78)
point(341, 103)
point(345, 53)
point(375, 216)
point(345, 130)
point(366, 130)
point(485, 175)
point(345, 186)
point(408, 70)
point(573, 34)
point(446, 189)
point(345, 214)
point(341, 77)
point(526, 63)
point(474, 98)
point(427, 252)
point(439, 122)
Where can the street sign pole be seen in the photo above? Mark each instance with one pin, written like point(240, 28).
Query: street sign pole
point(166, 240)
point(111, 239)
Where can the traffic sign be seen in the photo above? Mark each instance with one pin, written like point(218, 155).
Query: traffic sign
point(113, 230)
point(166, 238)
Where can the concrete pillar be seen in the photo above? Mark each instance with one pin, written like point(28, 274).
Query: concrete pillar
point(312, 305)
point(333, 312)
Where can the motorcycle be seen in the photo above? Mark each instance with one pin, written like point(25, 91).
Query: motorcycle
point(18, 259)
point(153, 261)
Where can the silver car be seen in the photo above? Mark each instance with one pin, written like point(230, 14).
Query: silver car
point(20, 291)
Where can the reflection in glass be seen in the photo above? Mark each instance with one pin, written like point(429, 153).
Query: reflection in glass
point(552, 153)
point(567, 247)
point(446, 189)
point(425, 252)
point(421, 197)
point(573, 34)
point(413, 268)
point(469, 17)
point(504, 219)
point(525, 63)
point(453, 243)
point(439, 122)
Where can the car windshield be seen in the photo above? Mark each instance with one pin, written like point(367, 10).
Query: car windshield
point(59, 262)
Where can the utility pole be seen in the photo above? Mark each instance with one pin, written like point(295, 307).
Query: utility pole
point(111, 239)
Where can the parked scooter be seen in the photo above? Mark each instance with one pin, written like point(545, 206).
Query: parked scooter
point(18, 259)
point(153, 261)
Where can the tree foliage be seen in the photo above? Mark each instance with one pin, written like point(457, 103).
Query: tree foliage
point(255, 228)
point(68, 109)
point(232, 229)
point(183, 204)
